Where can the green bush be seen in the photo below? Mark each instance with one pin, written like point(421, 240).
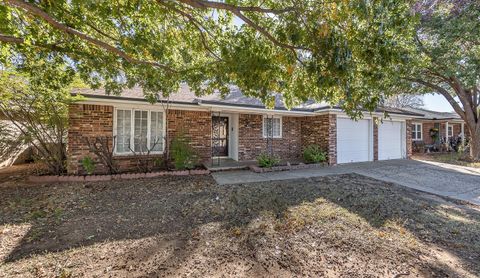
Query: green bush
point(88, 164)
point(314, 154)
point(184, 157)
point(265, 161)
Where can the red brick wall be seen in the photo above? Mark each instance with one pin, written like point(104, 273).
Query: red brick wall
point(251, 142)
point(408, 131)
point(321, 130)
point(196, 126)
point(427, 126)
point(86, 121)
point(91, 121)
point(375, 139)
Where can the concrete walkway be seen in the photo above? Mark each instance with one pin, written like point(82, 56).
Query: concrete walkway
point(438, 178)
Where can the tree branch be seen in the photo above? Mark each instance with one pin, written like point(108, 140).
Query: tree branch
point(238, 11)
point(224, 6)
point(68, 30)
point(195, 23)
point(443, 92)
point(11, 39)
point(465, 99)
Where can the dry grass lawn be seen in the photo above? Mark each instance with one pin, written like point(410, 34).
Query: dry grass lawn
point(449, 158)
point(335, 226)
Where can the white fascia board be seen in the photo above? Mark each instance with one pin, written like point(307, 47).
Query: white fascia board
point(140, 104)
point(253, 110)
point(457, 121)
point(368, 115)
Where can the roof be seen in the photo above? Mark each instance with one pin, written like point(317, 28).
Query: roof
point(234, 99)
point(434, 115)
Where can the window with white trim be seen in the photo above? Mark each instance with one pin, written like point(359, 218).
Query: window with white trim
point(450, 131)
point(139, 130)
point(272, 127)
point(417, 131)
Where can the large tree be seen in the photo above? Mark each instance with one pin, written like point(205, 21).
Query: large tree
point(447, 58)
point(338, 51)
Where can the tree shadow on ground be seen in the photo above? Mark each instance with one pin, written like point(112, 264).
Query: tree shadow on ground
point(65, 216)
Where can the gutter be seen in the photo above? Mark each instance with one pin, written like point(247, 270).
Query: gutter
point(119, 99)
point(218, 105)
point(253, 108)
point(376, 112)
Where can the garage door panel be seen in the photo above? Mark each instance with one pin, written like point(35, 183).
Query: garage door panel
point(353, 140)
point(390, 141)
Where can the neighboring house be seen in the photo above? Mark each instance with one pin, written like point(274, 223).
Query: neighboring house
point(13, 150)
point(434, 128)
point(235, 127)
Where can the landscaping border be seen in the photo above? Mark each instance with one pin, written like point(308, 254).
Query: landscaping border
point(258, 169)
point(126, 176)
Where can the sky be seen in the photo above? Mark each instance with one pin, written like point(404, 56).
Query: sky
point(436, 102)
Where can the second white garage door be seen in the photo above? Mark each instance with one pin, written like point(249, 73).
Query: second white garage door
point(353, 141)
point(390, 143)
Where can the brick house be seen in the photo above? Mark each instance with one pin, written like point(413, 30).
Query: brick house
point(235, 127)
point(435, 128)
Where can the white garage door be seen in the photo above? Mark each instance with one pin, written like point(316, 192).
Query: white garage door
point(353, 140)
point(390, 140)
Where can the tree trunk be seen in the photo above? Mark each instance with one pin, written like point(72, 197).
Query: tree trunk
point(475, 144)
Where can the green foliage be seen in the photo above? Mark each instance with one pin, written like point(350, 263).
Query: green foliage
point(314, 154)
point(434, 134)
point(448, 42)
point(342, 52)
point(184, 157)
point(88, 164)
point(159, 162)
point(36, 102)
point(266, 161)
point(445, 59)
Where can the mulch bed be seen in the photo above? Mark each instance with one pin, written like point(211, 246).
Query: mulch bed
point(334, 226)
point(288, 167)
point(125, 176)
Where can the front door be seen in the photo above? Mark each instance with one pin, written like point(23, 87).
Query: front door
point(219, 136)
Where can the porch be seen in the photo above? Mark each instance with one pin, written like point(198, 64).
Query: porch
point(226, 163)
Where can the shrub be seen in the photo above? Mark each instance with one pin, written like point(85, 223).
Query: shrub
point(103, 147)
point(88, 164)
point(37, 105)
point(184, 157)
point(314, 154)
point(265, 161)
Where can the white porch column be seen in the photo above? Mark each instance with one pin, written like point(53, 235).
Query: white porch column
point(463, 133)
point(446, 132)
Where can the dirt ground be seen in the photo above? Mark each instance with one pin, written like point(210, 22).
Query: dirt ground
point(334, 226)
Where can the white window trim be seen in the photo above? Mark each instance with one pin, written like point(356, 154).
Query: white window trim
point(450, 127)
point(416, 131)
point(270, 117)
point(132, 129)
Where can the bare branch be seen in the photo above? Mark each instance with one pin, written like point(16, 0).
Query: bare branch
point(101, 148)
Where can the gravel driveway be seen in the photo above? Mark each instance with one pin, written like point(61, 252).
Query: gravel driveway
point(443, 179)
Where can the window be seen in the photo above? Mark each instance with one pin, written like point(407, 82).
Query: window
point(450, 131)
point(417, 131)
point(138, 130)
point(272, 127)
point(156, 132)
point(124, 121)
